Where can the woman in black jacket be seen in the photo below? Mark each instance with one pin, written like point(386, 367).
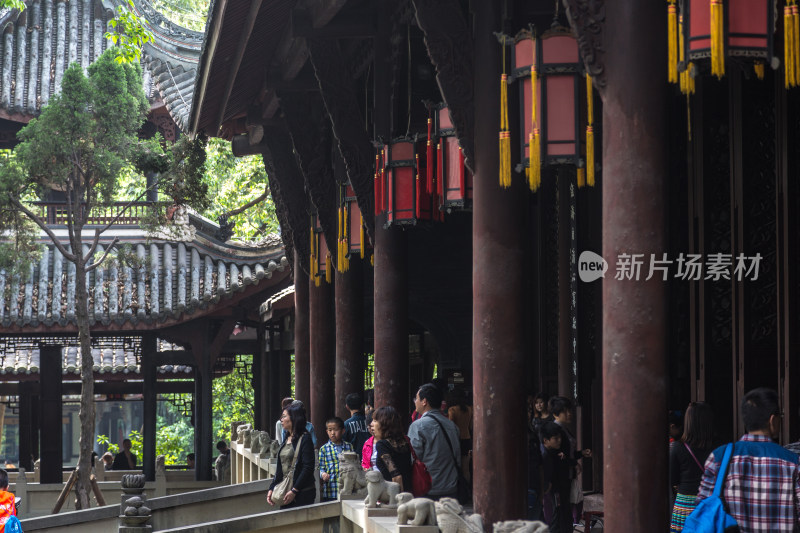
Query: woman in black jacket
point(687, 459)
point(293, 420)
point(393, 450)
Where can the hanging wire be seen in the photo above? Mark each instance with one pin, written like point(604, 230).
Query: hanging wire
point(408, 40)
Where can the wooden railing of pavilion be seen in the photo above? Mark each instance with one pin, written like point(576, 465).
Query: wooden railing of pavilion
point(130, 214)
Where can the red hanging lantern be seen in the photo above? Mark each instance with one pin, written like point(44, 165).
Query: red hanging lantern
point(716, 29)
point(453, 179)
point(551, 112)
point(352, 231)
point(403, 187)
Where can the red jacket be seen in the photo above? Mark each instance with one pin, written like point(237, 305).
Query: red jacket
point(7, 507)
point(366, 454)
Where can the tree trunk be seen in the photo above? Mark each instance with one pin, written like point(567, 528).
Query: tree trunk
point(87, 416)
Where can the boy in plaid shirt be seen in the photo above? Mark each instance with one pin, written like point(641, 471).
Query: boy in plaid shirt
point(329, 458)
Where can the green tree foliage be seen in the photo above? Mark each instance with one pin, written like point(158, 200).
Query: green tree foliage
point(235, 182)
point(80, 145)
point(190, 14)
point(130, 36)
point(233, 400)
point(137, 444)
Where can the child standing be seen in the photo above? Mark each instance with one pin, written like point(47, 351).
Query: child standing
point(555, 479)
point(329, 458)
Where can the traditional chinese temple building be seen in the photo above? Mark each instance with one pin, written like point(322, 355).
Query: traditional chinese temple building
point(440, 166)
point(165, 327)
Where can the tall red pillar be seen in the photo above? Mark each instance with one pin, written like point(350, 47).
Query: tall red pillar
point(390, 251)
point(634, 321)
point(302, 339)
point(321, 326)
point(498, 352)
point(349, 297)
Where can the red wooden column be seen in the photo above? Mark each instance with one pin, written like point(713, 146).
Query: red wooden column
point(498, 355)
point(390, 251)
point(634, 322)
point(349, 336)
point(320, 405)
point(302, 340)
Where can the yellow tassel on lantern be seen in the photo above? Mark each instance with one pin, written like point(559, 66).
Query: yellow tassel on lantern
point(581, 177)
point(788, 48)
point(345, 242)
point(672, 42)
point(686, 79)
point(758, 68)
point(717, 34)
point(362, 237)
point(328, 268)
point(505, 135)
point(796, 41)
point(534, 172)
point(589, 132)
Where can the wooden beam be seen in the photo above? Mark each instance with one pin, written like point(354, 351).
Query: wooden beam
point(358, 25)
point(310, 130)
point(339, 94)
point(244, 37)
point(449, 42)
point(208, 59)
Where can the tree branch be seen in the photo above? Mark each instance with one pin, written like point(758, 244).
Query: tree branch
point(248, 205)
point(97, 263)
point(39, 222)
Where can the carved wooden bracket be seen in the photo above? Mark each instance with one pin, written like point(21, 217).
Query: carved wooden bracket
point(587, 19)
point(287, 236)
point(449, 43)
point(310, 129)
point(282, 168)
point(339, 95)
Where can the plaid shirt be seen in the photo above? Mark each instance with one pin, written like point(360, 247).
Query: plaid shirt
point(329, 463)
point(762, 488)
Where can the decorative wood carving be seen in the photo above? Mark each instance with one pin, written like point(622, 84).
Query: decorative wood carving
point(586, 17)
point(449, 43)
point(286, 173)
point(287, 236)
point(339, 95)
point(310, 129)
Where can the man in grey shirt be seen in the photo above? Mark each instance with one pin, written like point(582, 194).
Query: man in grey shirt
point(429, 435)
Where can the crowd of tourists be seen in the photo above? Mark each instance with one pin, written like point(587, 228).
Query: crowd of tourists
point(754, 481)
point(439, 436)
point(555, 493)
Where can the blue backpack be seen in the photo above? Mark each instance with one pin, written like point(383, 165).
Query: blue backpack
point(711, 515)
point(12, 525)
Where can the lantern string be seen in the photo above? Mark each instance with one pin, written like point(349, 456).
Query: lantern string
point(429, 156)
point(589, 132)
point(505, 135)
point(672, 43)
point(717, 33)
point(534, 141)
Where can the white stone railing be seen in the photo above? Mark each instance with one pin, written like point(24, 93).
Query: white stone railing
point(248, 466)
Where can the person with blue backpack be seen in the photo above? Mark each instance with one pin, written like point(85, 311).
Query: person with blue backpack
point(752, 484)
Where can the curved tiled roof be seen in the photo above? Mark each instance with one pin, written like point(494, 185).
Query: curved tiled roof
point(169, 280)
point(39, 44)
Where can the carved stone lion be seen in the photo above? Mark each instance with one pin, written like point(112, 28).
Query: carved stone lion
point(520, 526)
point(352, 478)
point(274, 448)
point(222, 467)
point(421, 511)
point(380, 490)
point(248, 438)
point(451, 518)
point(240, 432)
point(264, 444)
point(161, 469)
